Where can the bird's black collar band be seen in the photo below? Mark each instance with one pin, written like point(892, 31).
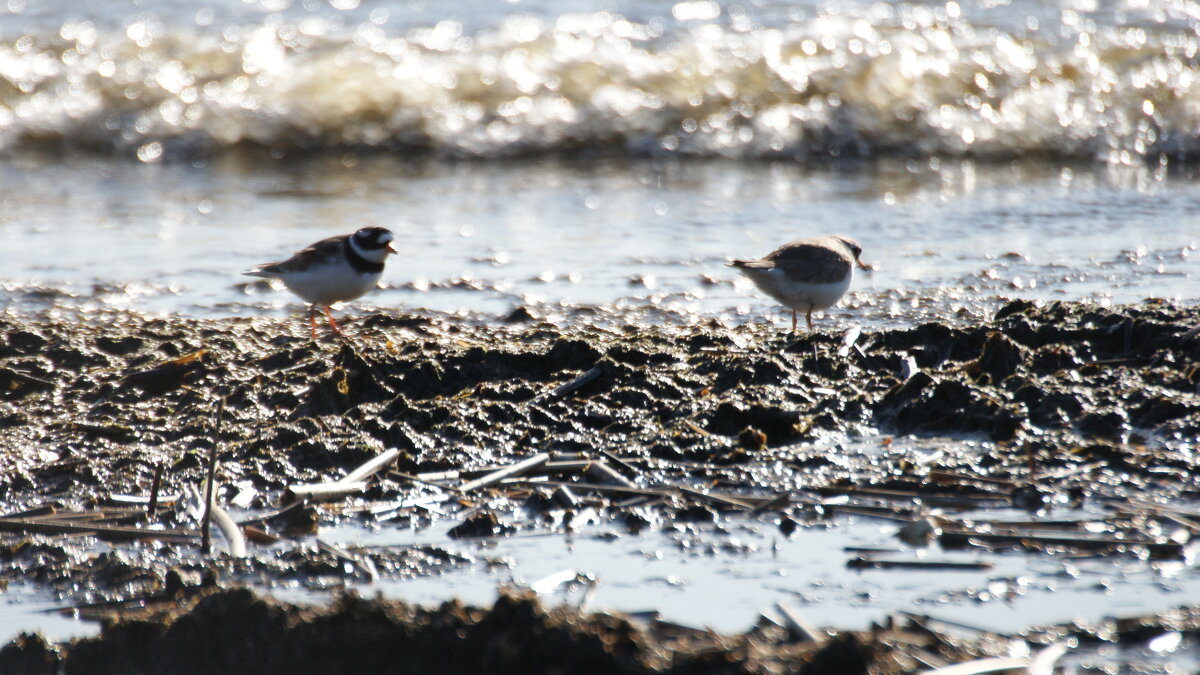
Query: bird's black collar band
point(359, 263)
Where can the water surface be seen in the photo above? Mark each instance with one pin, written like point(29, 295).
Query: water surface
point(951, 240)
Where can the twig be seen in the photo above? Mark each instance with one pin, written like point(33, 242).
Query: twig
point(716, 497)
point(1043, 661)
point(140, 502)
point(512, 470)
point(392, 473)
point(617, 461)
point(323, 491)
point(594, 487)
point(799, 628)
point(944, 625)
point(361, 562)
point(911, 495)
point(578, 382)
point(742, 501)
point(205, 542)
point(1162, 509)
point(554, 465)
point(1189, 525)
point(352, 483)
point(779, 502)
point(230, 530)
point(939, 476)
point(258, 536)
point(72, 516)
point(864, 562)
point(549, 583)
point(373, 466)
point(285, 512)
point(954, 538)
point(888, 513)
point(31, 513)
point(107, 532)
point(564, 497)
point(981, 666)
point(603, 473)
point(154, 485)
point(848, 340)
point(569, 387)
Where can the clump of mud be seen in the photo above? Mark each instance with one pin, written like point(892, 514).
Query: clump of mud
point(225, 631)
point(237, 630)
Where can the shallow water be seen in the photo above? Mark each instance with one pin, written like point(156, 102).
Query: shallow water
point(149, 153)
point(723, 579)
point(722, 575)
point(948, 239)
point(26, 610)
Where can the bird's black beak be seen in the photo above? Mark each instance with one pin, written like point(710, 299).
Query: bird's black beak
point(863, 266)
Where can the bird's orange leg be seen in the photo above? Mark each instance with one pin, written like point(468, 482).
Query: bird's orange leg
point(312, 321)
point(808, 317)
point(793, 322)
point(332, 323)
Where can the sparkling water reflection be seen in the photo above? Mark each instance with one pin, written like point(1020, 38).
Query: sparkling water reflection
point(950, 239)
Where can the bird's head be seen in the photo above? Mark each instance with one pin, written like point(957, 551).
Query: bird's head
point(855, 250)
point(374, 243)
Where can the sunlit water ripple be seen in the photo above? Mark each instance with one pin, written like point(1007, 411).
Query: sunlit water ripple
point(1072, 81)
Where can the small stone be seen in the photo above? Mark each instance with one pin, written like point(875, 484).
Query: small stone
point(752, 439)
point(919, 532)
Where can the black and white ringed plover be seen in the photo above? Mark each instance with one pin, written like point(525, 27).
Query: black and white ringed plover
point(806, 275)
point(332, 270)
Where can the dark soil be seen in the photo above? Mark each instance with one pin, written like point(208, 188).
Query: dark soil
point(236, 631)
point(89, 409)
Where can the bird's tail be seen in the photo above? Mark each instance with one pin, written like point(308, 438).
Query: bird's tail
point(749, 264)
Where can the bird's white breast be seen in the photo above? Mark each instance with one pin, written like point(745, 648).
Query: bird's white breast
point(800, 296)
point(327, 284)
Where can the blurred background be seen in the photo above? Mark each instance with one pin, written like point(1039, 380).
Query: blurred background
point(553, 155)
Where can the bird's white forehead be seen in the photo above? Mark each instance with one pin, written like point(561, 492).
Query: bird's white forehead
point(385, 238)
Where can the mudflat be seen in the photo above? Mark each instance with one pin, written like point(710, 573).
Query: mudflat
point(637, 425)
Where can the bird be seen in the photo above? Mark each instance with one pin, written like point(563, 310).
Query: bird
point(332, 270)
point(806, 275)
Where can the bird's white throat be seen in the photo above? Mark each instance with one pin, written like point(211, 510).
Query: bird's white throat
point(377, 255)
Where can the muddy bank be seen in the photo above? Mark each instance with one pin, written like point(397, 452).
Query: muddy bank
point(92, 406)
point(236, 630)
point(672, 428)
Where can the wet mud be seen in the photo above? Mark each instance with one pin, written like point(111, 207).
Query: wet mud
point(91, 407)
point(236, 630)
point(1076, 401)
point(225, 631)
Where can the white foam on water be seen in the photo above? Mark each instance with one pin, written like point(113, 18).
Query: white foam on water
point(835, 80)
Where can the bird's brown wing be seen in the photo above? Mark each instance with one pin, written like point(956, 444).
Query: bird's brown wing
point(810, 262)
point(302, 260)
